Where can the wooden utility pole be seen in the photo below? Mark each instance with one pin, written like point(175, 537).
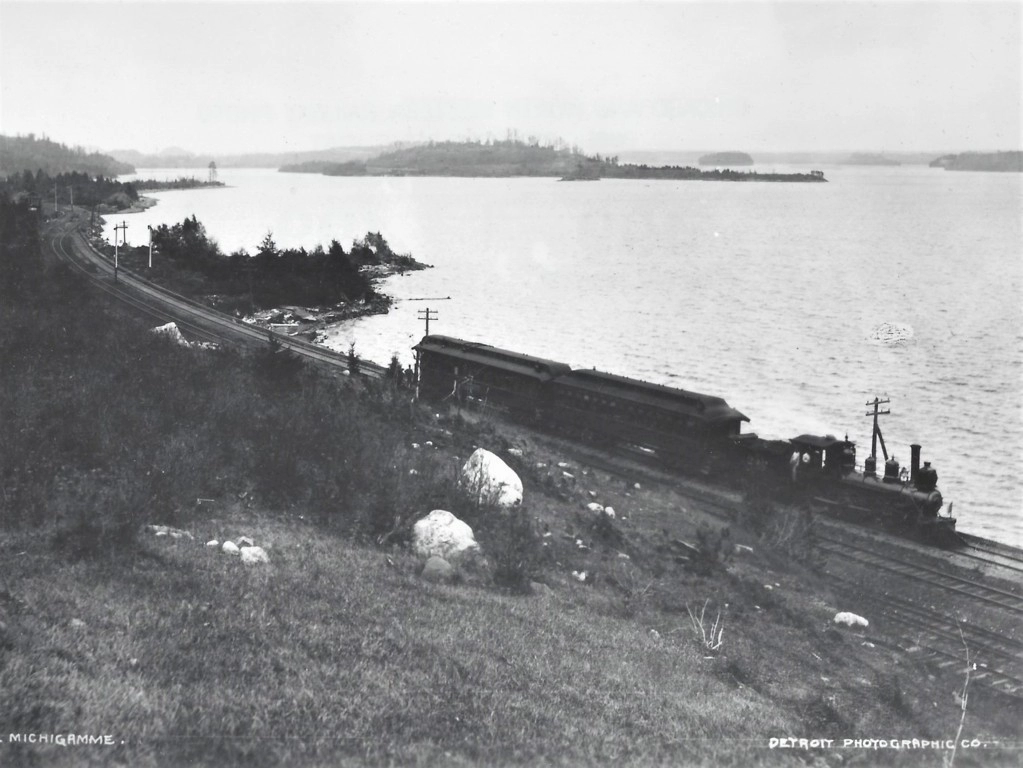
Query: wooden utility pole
point(877, 430)
point(428, 315)
point(150, 246)
point(123, 226)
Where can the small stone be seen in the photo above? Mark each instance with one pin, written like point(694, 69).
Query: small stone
point(245, 541)
point(742, 548)
point(428, 443)
point(563, 465)
point(624, 556)
point(515, 452)
point(77, 623)
point(230, 548)
point(254, 555)
point(637, 486)
point(592, 494)
point(212, 543)
point(415, 446)
point(579, 576)
point(609, 512)
point(438, 569)
point(850, 619)
point(595, 508)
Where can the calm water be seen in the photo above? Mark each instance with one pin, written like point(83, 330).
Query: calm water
point(797, 303)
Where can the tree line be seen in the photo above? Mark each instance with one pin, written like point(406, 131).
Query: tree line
point(191, 262)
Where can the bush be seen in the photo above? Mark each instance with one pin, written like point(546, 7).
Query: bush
point(513, 547)
point(713, 551)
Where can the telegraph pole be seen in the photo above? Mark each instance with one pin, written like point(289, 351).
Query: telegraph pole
point(150, 245)
point(123, 226)
point(877, 430)
point(428, 315)
point(56, 208)
point(72, 191)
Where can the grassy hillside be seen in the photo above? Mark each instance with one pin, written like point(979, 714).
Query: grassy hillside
point(338, 652)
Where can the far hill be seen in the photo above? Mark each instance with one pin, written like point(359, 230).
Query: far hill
point(28, 153)
point(981, 161)
point(867, 158)
point(175, 157)
point(726, 158)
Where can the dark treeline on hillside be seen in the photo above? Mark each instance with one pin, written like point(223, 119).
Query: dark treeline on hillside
point(88, 191)
point(28, 153)
point(188, 261)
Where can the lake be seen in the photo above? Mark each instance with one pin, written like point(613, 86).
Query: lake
point(797, 303)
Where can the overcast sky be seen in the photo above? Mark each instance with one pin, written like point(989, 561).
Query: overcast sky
point(234, 77)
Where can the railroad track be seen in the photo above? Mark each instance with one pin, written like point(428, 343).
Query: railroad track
point(999, 659)
point(70, 246)
point(991, 552)
point(975, 590)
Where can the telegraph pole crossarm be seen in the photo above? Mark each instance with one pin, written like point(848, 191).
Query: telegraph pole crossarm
point(876, 403)
point(428, 315)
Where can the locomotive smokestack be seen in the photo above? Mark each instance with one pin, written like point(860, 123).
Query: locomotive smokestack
point(914, 462)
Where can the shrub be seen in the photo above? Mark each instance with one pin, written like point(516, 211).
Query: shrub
point(512, 545)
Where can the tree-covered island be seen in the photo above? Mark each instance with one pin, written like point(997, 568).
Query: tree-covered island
point(304, 288)
point(515, 157)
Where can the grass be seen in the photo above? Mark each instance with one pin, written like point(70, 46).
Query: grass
point(337, 652)
point(334, 652)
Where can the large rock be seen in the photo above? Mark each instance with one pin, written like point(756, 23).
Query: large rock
point(489, 481)
point(850, 619)
point(441, 534)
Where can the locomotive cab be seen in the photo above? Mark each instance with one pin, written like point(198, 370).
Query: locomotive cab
point(817, 456)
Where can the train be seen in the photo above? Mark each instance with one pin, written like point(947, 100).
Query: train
point(695, 432)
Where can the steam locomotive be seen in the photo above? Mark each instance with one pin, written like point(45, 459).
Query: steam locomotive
point(690, 430)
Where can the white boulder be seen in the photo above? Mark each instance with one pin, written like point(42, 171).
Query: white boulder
point(171, 331)
point(213, 544)
point(488, 480)
point(595, 508)
point(441, 534)
point(230, 548)
point(851, 619)
point(253, 555)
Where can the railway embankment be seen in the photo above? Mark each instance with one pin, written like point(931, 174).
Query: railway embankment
point(689, 628)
